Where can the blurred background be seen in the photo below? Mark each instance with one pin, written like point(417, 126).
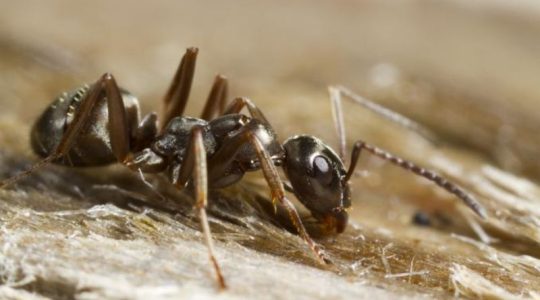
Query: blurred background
point(467, 70)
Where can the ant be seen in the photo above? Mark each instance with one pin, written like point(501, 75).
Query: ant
point(100, 124)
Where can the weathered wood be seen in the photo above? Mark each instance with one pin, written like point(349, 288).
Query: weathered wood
point(101, 233)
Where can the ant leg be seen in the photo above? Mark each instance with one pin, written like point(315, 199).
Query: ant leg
point(337, 113)
point(118, 124)
point(221, 161)
point(278, 194)
point(201, 183)
point(176, 98)
point(195, 166)
point(223, 101)
point(239, 103)
point(216, 99)
point(118, 130)
point(442, 182)
point(145, 132)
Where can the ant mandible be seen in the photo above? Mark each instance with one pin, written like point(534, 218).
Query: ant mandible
point(100, 124)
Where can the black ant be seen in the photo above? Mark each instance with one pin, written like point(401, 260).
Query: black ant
point(100, 124)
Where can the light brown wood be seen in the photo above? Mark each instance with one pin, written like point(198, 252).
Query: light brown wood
point(469, 73)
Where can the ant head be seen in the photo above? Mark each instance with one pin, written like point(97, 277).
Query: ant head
point(92, 147)
point(318, 178)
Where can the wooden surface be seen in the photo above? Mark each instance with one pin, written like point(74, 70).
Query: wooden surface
point(468, 71)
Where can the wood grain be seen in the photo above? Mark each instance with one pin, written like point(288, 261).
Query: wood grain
point(468, 72)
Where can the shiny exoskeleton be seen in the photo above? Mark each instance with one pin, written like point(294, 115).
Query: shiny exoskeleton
point(101, 124)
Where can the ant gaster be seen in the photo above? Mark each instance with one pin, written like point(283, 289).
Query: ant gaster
point(100, 124)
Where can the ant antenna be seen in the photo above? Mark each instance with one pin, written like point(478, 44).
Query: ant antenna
point(452, 188)
point(337, 113)
point(31, 170)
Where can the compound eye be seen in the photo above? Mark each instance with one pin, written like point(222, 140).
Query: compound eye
point(322, 170)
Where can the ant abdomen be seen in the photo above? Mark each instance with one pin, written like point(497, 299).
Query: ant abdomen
point(93, 146)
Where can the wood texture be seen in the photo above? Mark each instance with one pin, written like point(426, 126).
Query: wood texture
point(469, 72)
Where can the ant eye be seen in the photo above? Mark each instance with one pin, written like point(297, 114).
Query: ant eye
point(322, 170)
